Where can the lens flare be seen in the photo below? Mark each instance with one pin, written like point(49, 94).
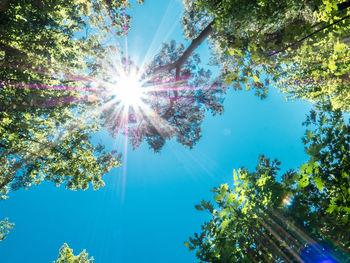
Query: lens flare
point(288, 200)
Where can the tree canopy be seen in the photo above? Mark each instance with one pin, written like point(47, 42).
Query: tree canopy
point(301, 46)
point(58, 79)
point(49, 52)
point(174, 104)
point(292, 219)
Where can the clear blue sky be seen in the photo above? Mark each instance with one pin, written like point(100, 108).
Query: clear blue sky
point(148, 218)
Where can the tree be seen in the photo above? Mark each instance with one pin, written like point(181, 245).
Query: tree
point(318, 68)
point(70, 159)
point(174, 102)
point(5, 227)
point(66, 256)
point(328, 146)
point(261, 219)
point(255, 43)
point(47, 64)
point(301, 45)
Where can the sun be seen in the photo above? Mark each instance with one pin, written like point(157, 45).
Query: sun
point(128, 90)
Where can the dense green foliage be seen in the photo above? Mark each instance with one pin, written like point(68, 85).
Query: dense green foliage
point(305, 217)
point(179, 108)
point(65, 44)
point(328, 146)
point(66, 256)
point(302, 45)
point(46, 50)
point(5, 227)
point(318, 69)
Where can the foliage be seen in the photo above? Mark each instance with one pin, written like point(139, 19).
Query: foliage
point(329, 149)
point(46, 50)
point(65, 42)
point(181, 109)
point(67, 158)
point(261, 219)
point(5, 227)
point(66, 256)
point(319, 69)
point(301, 45)
point(177, 104)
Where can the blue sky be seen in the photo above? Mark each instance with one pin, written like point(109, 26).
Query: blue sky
point(147, 215)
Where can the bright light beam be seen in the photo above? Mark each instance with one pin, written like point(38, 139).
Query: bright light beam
point(128, 90)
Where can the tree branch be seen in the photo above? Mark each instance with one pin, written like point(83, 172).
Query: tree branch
point(308, 36)
point(194, 44)
point(109, 12)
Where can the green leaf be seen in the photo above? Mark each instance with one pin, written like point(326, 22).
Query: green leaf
point(223, 190)
point(331, 209)
point(235, 176)
point(224, 224)
point(309, 134)
point(217, 198)
point(230, 198)
point(319, 183)
point(339, 47)
point(256, 78)
point(332, 66)
point(199, 207)
point(304, 181)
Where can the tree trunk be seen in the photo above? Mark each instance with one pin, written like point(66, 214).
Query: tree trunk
point(194, 44)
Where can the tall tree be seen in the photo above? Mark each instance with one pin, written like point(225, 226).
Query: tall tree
point(49, 54)
point(253, 42)
point(173, 104)
point(304, 217)
point(301, 45)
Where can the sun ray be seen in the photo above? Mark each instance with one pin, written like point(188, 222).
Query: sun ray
point(159, 35)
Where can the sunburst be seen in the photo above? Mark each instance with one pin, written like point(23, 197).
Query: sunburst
point(128, 90)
